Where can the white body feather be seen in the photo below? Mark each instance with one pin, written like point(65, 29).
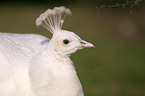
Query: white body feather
point(45, 75)
point(16, 51)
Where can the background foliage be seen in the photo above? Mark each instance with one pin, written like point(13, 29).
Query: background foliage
point(116, 67)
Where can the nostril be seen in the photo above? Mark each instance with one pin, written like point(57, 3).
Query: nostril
point(83, 42)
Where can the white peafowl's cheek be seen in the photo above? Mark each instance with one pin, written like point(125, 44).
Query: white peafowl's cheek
point(60, 49)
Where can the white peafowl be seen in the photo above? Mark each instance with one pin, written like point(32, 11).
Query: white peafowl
point(33, 65)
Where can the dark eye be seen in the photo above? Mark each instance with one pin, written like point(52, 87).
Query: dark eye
point(65, 41)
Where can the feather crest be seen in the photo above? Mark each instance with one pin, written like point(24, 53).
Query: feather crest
point(53, 20)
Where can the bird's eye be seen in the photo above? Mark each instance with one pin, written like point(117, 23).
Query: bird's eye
point(65, 41)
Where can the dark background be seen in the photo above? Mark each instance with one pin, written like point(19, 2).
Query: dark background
point(116, 67)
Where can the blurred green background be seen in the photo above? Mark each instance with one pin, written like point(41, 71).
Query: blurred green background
point(116, 67)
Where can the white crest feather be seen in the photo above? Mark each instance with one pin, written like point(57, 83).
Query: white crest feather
point(53, 20)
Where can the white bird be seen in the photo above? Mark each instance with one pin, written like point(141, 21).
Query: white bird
point(33, 65)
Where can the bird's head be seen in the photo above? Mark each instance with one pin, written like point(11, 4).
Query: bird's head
point(63, 42)
point(66, 42)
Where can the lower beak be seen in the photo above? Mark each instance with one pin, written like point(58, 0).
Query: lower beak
point(86, 44)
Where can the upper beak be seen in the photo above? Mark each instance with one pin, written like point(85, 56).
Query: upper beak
point(86, 44)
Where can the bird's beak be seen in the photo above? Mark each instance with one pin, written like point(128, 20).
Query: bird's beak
point(86, 44)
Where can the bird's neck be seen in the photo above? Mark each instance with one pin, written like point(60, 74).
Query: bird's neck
point(50, 51)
